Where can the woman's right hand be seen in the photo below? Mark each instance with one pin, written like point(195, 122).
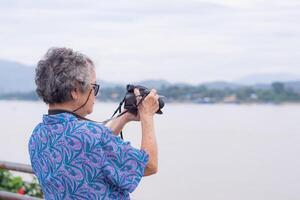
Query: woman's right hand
point(149, 105)
point(146, 110)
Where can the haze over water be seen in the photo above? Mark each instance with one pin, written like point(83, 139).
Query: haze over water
point(212, 152)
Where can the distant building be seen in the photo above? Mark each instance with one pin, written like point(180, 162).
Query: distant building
point(253, 96)
point(205, 100)
point(230, 99)
point(114, 95)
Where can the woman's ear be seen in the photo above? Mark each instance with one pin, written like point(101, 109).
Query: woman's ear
point(74, 94)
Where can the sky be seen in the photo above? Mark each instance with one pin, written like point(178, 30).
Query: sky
point(177, 40)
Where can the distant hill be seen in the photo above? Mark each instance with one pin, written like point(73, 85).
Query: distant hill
point(154, 83)
point(295, 85)
point(267, 78)
point(16, 77)
point(221, 85)
point(108, 84)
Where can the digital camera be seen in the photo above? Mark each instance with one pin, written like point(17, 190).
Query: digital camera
point(130, 102)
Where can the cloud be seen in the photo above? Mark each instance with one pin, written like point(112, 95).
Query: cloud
point(182, 40)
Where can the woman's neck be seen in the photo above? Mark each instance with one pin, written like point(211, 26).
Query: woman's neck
point(61, 106)
point(68, 106)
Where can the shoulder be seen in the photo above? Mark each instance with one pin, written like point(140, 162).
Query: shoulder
point(93, 129)
point(35, 132)
point(90, 127)
point(37, 128)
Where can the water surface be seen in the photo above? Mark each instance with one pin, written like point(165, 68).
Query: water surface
point(212, 152)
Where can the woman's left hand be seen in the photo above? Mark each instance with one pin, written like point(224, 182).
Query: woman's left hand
point(131, 117)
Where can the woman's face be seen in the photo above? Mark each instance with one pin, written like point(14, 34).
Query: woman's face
point(82, 97)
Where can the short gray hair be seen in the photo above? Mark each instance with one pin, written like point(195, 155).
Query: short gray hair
point(58, 72)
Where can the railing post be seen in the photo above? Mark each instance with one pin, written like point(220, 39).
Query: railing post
point(20, 168)
point(16, 167)
point(13, 196)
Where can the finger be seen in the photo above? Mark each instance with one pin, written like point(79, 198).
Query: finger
point(153, 91)
point(138, 95)
point(136, 92)
point(152, 94)
point(157, 99)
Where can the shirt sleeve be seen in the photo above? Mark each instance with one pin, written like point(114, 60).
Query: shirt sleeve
point(123, 165)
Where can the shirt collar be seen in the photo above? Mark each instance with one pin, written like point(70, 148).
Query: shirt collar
point(58, 118)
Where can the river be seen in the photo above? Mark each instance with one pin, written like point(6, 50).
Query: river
point(211, 152)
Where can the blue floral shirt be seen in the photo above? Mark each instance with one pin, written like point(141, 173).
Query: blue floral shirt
point(77, 159)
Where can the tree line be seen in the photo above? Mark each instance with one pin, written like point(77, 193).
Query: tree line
point(277, 93)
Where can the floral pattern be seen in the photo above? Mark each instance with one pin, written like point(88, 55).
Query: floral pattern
point(77, 159)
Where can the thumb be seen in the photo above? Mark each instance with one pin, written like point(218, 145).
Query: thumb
point(137, 95)
point(136, 92)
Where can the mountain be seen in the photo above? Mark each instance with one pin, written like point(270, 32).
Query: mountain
point(14, 73)
point(147, 83)
point(157, 84)
point(295, 85)
point(221, 85)
point(267, 78)
point(16, 77)
point(108, 84)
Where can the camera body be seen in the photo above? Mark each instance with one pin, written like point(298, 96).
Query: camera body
point(130, 102)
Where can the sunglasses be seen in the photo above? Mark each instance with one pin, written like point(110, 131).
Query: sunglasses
point(96, 88)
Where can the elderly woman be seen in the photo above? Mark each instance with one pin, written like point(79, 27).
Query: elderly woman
point(76, 158)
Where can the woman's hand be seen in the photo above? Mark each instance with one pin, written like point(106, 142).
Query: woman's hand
point(149, 106)
point(131, 117)
point(146, 109)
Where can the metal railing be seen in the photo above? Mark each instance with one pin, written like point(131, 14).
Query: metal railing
point(19, 168)
point(16, 167)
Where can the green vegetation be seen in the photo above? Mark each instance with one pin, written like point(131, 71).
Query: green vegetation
point(276, 93)
point(16, 184)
